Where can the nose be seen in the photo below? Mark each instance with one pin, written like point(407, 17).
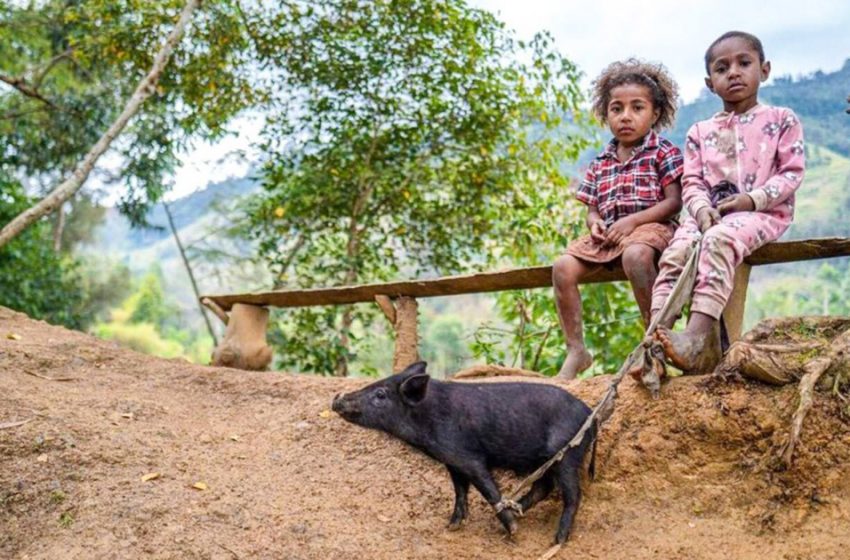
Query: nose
point(337, 402)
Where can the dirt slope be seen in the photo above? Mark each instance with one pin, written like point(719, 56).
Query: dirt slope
point(687, 476)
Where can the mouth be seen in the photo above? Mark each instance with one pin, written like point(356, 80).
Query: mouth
point(344, 408)
point(737, 87)
point(626, 130)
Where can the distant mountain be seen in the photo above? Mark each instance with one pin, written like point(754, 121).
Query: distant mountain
point(116, 236)
point(819, 100)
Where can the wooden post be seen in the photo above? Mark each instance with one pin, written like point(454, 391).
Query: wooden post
point(244, 345)
point(733, 315)
point(402, 315)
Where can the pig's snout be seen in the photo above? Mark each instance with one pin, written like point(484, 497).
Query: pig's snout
point(345, 406)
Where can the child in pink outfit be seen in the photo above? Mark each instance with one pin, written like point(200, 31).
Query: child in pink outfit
point(742, 167)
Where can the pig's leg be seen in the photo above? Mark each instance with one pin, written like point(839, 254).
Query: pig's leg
point(483, 481)
point(461, 484)
point(571, 492)
point(539, 490)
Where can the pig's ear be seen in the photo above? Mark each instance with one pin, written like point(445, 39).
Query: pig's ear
point(417, 368)
point(414, 388)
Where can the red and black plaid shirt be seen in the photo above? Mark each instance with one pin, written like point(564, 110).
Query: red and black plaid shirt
point(620, 189)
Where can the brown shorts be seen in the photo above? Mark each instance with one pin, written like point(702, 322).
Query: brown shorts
point(655, 235)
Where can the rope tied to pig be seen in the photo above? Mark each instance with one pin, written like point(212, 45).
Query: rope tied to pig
point(508, 504)
point(648, 354)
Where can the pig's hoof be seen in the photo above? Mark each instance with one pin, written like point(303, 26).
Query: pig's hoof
point(455, 524)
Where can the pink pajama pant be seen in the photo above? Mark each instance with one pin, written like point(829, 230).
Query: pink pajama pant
point(724, 247)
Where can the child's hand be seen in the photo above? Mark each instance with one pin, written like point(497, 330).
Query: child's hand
point(597, 231)
point(736, 203)
point(707, 217)
point(620, 230)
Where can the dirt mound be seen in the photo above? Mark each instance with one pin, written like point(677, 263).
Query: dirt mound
point(690, 475)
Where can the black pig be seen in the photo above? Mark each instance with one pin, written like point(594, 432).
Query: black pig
point(475, 427)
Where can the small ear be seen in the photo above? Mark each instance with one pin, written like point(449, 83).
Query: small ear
point(413, 389)
point(416, 368)
point(765, 70)
point(709, 85)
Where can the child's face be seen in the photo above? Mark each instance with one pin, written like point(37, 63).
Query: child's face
point(631, 113)
point(735, 71)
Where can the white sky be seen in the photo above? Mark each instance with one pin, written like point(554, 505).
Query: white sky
point(799, 37)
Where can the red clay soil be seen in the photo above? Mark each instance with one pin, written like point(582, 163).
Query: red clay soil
point(690, 475)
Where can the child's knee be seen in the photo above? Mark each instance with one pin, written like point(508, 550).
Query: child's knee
point(566, 271)
point(638, 260)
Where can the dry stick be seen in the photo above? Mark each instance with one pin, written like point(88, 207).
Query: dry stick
point(8, 425)
point(217, 311)
point(189, 271)
point(71, 185)
point(50, 378)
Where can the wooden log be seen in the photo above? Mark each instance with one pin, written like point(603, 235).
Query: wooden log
point(244, 344)
point(406, 333)
point(512, 279)
point(217, 311)
point(733, 315)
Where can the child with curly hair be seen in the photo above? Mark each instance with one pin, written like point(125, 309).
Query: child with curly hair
point(742, 167)
point(632, 193)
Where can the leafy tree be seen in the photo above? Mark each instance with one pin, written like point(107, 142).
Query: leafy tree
point(33, 278)
point(403, 140)
point(73, 64)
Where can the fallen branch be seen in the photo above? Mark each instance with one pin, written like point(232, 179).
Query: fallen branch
point(8, 425)
point(50, 378)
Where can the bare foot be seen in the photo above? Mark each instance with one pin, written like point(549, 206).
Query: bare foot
point(691, 354)
point(577, 361)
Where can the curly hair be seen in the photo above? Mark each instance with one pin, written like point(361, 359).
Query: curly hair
point(655, 77)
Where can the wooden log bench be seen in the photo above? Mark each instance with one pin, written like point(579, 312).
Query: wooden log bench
point(246, 315)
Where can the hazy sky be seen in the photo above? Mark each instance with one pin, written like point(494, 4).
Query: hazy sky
point(799, 37)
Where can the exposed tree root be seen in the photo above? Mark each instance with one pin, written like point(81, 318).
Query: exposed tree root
point(783, 350)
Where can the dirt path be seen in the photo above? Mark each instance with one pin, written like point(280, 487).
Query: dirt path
point(687, 476)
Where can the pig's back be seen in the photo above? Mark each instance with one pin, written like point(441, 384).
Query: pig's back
point(516, 425)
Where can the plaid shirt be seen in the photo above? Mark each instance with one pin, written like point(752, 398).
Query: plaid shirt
point(620, 189)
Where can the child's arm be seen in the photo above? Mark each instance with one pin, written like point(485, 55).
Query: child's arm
point(661, 212)
point(694, 186)
point(587, 194)
point(791, 165)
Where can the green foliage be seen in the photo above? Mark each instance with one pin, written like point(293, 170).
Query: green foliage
point(34, 279)
point(400, 144)
point(142, 337)
point(148, 321)
point(442, 344)
point(150, 304)
point(823, 291)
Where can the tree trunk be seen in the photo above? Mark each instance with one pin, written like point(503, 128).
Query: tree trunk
point(189, 272)
point(58, 228)
point(71, 185)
